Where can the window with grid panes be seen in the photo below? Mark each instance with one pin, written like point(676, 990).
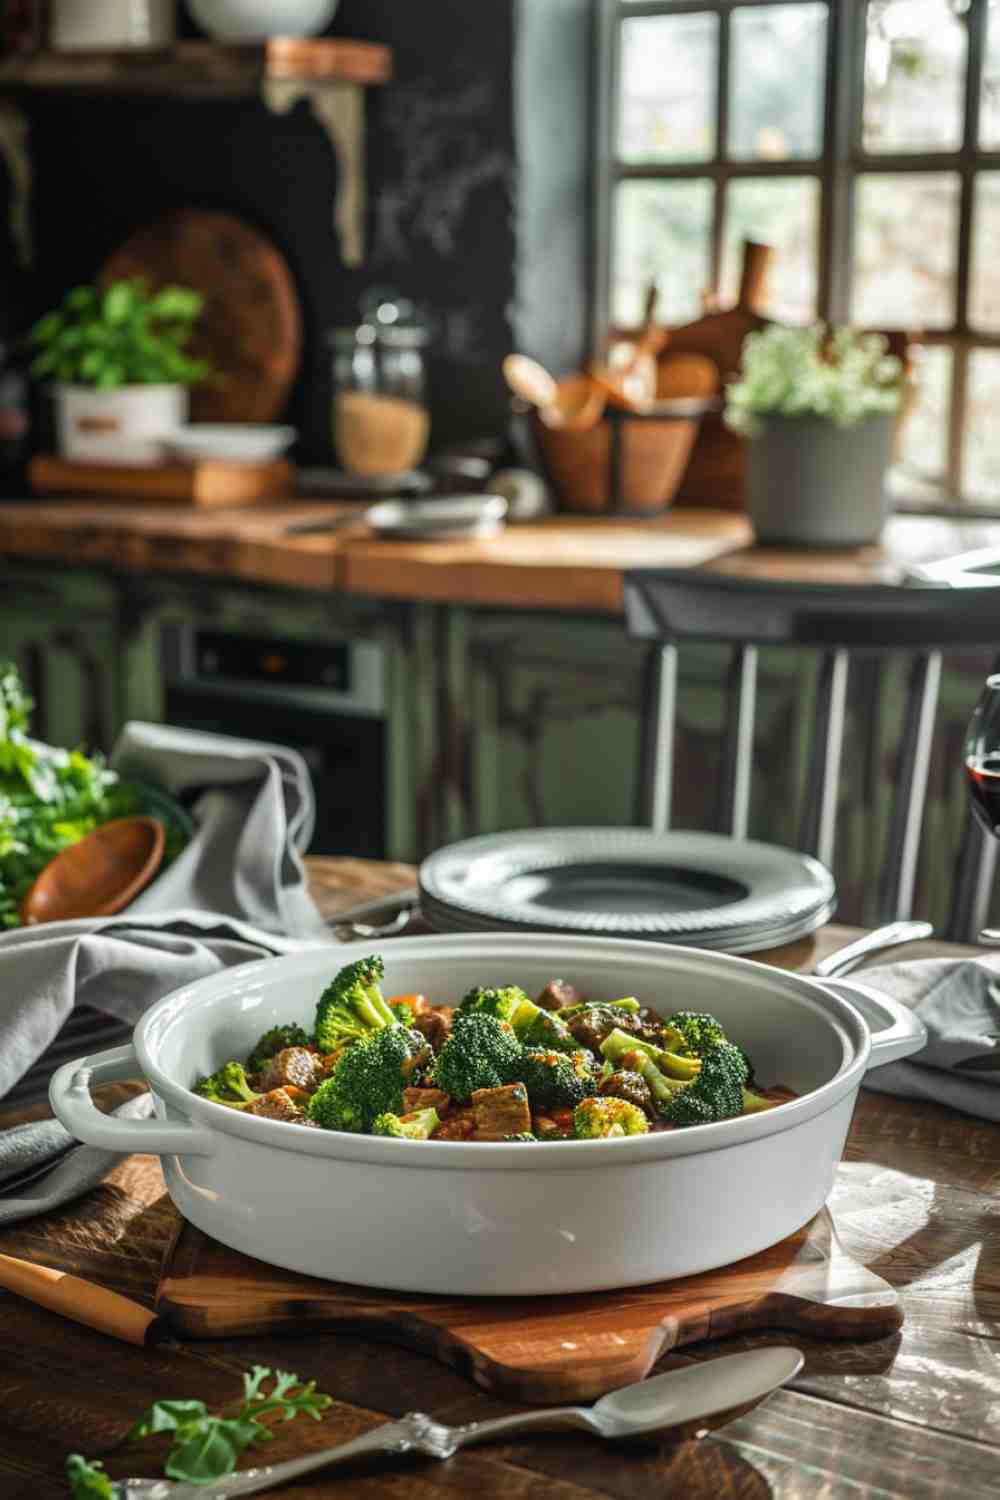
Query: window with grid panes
point(861, 138)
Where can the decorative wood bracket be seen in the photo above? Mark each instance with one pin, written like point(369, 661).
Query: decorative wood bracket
point(339, 110)
point(17, 158)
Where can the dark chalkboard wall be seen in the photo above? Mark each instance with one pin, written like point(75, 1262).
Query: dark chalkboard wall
point(441, 180)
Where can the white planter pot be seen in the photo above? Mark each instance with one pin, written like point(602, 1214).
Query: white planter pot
point(256, 20)
point(125, 426)
point(77, 27)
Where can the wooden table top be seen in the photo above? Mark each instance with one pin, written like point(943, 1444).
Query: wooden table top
point(912, 1417)
point(561, 563)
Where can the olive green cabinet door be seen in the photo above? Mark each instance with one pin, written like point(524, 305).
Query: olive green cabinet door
point(60, 629)
point(554, 720)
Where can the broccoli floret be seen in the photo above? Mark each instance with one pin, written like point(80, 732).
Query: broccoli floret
point(596, 1118)
point(755, 1104)
point(542, 1029)
point(403, 1013)
point(697, 1033)
point(501, 1003)
point(629, 1004)
point(352, 1005)
point(480, 1053)
point(367, 1081)
point(418, 1125)
point(717, 1092)
point(228, 1085)
point(273, 1042)
point(88, 1480)
point(533, 1026)
point(556, 1078)
point(522, 1135)
point(673, 1064)
point(625, 1052)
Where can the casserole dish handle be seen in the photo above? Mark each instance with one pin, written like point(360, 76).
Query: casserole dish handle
point(70, 1097)
point(896, 1031)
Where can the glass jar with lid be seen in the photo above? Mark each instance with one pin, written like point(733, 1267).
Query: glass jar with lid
point(381, 421)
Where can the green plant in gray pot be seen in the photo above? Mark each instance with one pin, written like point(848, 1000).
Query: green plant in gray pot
point(120, 367)
point(819, 410)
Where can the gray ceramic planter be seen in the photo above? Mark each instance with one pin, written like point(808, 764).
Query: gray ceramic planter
point(814, 484)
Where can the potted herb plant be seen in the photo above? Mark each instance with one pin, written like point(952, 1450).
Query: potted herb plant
point(818, 409)
point(120, 369)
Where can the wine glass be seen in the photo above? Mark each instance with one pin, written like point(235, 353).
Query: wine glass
point(982, 769)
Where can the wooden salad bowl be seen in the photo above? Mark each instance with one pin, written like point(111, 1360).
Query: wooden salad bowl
point(99, 875)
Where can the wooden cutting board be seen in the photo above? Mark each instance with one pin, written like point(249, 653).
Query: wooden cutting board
point(717, 471)
point(251, 327)
point(571, 1348)
point(209, 482)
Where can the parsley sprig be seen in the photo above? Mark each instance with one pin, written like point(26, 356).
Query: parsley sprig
point(206, 1447)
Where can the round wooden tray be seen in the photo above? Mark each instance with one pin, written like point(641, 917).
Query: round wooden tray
point(251, 328)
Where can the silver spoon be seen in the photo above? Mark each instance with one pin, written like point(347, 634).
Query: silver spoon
point(843, 960)
point(351, 925)
point(673, 1403)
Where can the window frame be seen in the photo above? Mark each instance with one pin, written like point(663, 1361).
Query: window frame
point(842, 161)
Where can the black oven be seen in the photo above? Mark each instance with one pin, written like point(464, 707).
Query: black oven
point(325, 699)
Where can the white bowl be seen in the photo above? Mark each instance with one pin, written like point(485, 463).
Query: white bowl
point(257, 20)
point(229, 442)
point(444, 520)
point(470, 1217)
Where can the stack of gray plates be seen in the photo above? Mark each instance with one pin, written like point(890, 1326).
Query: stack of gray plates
point(700, 889)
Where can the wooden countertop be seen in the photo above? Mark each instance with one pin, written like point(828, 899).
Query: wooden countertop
point(908, 1417)
point(560, 563)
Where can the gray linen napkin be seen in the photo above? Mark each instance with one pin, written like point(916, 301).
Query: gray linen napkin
point(24, 1151)
point(958, 1001)
point(254, 820)
point(236, 893)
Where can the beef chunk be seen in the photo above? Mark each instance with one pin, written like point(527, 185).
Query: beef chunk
point(459, 1126)
point(278, 1105)
point(426, 1099)
point(631, 1086)
point(501, 1112)
point(595, 1023)
point(558, 993)
point(435, 1024)
point(296, 1065)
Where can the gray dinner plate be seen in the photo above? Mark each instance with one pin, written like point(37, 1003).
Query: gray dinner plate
point(734, 896)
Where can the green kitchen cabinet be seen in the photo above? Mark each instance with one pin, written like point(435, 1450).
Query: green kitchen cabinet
point(507, 719)
point(60, 626)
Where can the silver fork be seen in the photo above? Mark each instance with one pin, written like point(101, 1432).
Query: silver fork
point(676, 1402)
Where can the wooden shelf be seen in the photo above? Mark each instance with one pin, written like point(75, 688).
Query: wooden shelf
point(200, 68)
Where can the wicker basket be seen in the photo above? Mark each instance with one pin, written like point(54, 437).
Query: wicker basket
point(631, 463)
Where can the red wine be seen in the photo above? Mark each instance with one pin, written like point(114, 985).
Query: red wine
point(984, 784)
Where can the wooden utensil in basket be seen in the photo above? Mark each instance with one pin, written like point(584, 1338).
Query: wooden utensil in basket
point(631, 460)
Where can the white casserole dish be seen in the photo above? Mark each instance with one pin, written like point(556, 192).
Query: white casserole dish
point(500, 1219)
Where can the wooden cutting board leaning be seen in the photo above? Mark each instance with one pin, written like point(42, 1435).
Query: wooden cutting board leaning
point(251, 327)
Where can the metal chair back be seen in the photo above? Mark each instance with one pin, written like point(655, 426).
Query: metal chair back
point(842, 622)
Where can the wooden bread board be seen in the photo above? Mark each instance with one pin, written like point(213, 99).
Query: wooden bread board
point(206, 483)
point(567, 1348)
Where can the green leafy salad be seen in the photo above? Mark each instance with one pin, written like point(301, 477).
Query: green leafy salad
point(51, 798)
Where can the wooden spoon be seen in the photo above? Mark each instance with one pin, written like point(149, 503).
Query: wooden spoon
point(579, 405)
point(81, 1300)
point(574, 404)
point(99, 875)
point(529, 380)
